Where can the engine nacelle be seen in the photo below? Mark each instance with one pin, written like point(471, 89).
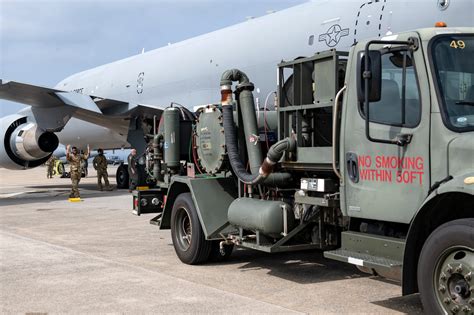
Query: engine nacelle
point(23, 144)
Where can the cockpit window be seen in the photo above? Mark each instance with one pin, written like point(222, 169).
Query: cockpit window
point(453, 63)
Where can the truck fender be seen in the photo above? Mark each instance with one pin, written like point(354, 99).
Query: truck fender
point(457, 195)
point(212, 198)
point(175, 189)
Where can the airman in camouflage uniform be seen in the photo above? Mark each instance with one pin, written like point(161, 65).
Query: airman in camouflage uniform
point(100, 165)
point(74, 159)
point(50, 166)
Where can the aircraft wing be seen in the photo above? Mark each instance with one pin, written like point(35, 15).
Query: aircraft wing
point(53, 108)
point(28, 94)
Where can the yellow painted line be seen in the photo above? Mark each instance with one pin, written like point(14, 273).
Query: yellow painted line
point(75, 199)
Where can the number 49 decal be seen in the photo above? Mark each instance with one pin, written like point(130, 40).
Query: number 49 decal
point(457, 44)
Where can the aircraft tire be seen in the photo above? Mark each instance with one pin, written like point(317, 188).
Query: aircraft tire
point(189, 241)
point(122, 176)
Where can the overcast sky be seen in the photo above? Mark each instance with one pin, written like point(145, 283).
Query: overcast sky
point(44, 41)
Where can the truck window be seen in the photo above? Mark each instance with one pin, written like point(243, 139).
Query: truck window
point(454, 72)
point(389, 109)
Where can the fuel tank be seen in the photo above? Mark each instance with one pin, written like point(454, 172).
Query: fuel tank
point(265, 216)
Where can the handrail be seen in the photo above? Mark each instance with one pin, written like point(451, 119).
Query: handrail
point(334, 131)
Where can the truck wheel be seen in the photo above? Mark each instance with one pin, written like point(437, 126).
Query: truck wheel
point(122, 176)
point(445, 269)
point(186, 232)
point(216, 254)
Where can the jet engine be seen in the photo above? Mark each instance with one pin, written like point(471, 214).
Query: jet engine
point(23, 143)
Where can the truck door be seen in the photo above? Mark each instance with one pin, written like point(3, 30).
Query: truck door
point(386, 181)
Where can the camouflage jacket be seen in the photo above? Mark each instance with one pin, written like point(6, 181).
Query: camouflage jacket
point(100, 163)
point(75, 160)
point(51, 160)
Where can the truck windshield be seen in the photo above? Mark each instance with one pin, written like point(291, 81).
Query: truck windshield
point(453, 61)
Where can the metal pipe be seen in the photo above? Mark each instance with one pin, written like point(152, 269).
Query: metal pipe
point(156, 152)
point(246, 106)
point(232, 75)
point(260, 172)
point(334, 131)
point(264, 175)
point(156, 157)
point(171, 123)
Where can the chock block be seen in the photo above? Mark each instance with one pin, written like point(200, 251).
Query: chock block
point(75, 199)
point(143, 187)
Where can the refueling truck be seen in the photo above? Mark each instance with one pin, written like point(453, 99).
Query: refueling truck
point(367, 155)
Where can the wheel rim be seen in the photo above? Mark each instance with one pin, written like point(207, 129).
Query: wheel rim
point(453, 280)
point(183, 229)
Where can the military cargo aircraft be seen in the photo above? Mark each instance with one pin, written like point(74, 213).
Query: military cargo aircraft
point(117, 104)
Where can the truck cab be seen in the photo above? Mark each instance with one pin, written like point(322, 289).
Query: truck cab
point(408, 166)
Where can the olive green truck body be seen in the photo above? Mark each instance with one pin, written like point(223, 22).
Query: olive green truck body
point(391, 192)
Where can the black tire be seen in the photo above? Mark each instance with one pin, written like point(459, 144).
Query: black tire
point(122, 177)
point(188, 237)
point(216, 255)
point(443, 288)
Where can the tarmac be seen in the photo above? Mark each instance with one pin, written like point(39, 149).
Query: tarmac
point(95, 256)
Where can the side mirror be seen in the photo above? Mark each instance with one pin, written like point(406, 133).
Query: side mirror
point(374, 73)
